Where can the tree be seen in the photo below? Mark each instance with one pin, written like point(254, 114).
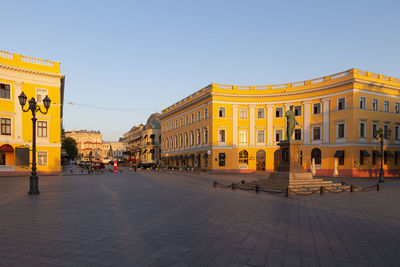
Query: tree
point(121, 139)
point(69, 144)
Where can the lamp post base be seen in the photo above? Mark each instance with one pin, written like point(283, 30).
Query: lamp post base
point(34, 185)
point(381, 178)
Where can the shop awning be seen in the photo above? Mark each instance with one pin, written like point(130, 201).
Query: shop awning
point(339, 153)
point(388, 154)
point(376, 153)
point(6, 148)
point(365, 153)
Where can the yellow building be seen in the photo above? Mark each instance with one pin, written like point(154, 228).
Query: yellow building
point(231, 128)
point(36, 78)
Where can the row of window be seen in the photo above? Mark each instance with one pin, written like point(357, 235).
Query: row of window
point(6, 127)
point(197, 137)
point(260, 112)
point(260, 135)
point(5, 92)
point(375, 105)
point(200, 115)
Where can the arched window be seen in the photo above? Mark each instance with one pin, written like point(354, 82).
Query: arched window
point(316, 154)
point(243, 157)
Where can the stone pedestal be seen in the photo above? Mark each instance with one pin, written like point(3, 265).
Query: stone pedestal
point(290, 174)
point(290, 156)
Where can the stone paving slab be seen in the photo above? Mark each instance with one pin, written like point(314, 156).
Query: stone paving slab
point(179, 219)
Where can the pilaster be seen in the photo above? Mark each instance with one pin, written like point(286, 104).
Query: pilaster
point(235, 124)
point(306, 121)
point(252, 125)
point(325, 120)
point(270, 130)
point(18, 112)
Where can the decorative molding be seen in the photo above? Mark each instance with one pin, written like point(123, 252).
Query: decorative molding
point(36, 72)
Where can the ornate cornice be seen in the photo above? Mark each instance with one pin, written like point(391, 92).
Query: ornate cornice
point(42, 73)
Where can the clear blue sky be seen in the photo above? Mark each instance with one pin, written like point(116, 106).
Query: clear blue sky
point(135, 57)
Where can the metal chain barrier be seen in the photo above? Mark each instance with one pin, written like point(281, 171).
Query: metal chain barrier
point(302, 190)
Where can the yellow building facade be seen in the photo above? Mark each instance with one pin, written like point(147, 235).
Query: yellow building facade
point(229, 128)
point(36, 78)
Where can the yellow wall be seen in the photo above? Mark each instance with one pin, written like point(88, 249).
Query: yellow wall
point(26, 74)
point(350, 84)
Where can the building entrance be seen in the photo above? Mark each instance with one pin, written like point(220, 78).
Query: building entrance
point(260, 158)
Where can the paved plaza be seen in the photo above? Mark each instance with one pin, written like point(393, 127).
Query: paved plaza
point(179, 219)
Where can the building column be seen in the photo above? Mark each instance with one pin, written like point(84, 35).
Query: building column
point(252, 125)
point(325, 120)
point(18, 112)
point(306, 121)
point(270, 130)
point(234, 125)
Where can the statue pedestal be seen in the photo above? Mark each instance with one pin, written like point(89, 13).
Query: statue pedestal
point(290, 174)
point(290, 156)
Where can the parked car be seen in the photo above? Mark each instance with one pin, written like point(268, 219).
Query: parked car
point(98, 165)
point(147, 165)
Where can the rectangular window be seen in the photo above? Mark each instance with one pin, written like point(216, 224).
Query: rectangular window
point(186, 140)
point(362, 102)
point(221, 112)
point(297, 110)
point(397, 132)
point(221, 136)
point(362, 129)
point(374, 130)
point(375, 104)
point(192, 139)
point(340, 130)
point(206, 113)
point(5, 126)
point(181, 122)
point(385, 129)
point(198, 116)
point(278, 112)
point(317, 133)
point(386, 106)
point(341, 103)
point(221, 159)
point(317, 108)
point(186, 120)
point(206, 135)
point(192, 118)
point(5, 91)
point(42, 158)
point(278, 135)
point(42, 128)
point(40, 95)
point(297, 134)
point(176, 124)
point(243, 113)
point(260, 113)
point(242, 136)
point(198, 137)
point(260, 136)
point(397, 107)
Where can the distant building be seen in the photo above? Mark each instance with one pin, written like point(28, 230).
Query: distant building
point(36, 78)
point(89, 144)
point(106, 151)
point(143, 141)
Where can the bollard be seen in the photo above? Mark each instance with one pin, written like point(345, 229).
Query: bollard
point(287, 192)
point(72, 170)
point(352, 188)
point(215, 184)
point(120, 170)
point(233, 186)
point(130, 169)
point(81, 170)
point(102, 170)
point(322, 190)
point(257, 188)
point(378, 187)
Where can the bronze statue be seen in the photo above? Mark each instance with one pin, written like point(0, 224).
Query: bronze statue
point(291, 123)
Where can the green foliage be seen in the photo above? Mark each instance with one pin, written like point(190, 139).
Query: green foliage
point(69, 144)
point(121, 139)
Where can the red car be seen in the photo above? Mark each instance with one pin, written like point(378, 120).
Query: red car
point(98, 165)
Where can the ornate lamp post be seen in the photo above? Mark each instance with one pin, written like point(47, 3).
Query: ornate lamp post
point(34, 185)
point(382, 135)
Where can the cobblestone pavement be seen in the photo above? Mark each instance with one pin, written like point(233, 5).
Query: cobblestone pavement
point(177, 219)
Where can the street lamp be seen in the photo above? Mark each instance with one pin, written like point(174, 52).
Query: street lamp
point(382, 135)
point(34, 185)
